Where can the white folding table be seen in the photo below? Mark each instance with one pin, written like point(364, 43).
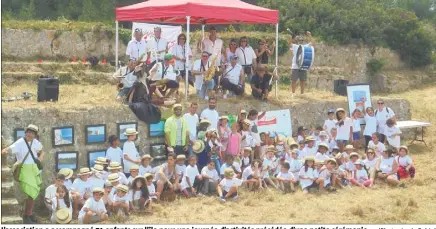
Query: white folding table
point(414, 124)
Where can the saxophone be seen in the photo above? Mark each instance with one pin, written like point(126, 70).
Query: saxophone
point(210, 72)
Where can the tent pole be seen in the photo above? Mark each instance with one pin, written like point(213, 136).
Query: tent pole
point(188, 21)
point(116, 45)
point(277, 55)
point(202, 30)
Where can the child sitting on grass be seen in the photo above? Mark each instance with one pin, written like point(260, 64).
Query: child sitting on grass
point(81, 189)
point(121, 200)
point(360, 175)
point(107, 197)
point(228, 187)
point(60, 201)
point(308, 175)
point(151, 188)
point(180, 166)
point(230, 163)
point(286, 179)
point(405, 163)
point(269, 168)
point(145, 167)
point(134, 172)
point(191, 179)
point(210, 178)
point(251, 176)
point(138, 194)
point(93, 211)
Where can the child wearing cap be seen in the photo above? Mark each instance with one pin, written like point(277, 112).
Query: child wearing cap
point(235, 141)
point(60, 201)
point(145, 166)
point(230, 163)
point(191, 179)
point(330, 122)
point(376, 145)
point(93, 210)
point(322, 152)
point(308, 175)
point(405, 163)
point(134, 172)
point(130, 153)
point(121, 200)
point(286, 179)
point(295, 165)
point(210, 178)
point(360, 177)
point(114, 152)
point(81, 189)
point(180, 166)
point(251, 176)
point(138, 194)
point(50, 191)
point(228, 187)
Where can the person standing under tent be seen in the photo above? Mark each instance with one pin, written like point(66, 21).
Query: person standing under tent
point(231, 50)
point(156, 47)
point(263, 52)
point(297, 73)
point(204, 87)
point(137, 46)
point(179, 52)
point(213, 45)
point(246, 57)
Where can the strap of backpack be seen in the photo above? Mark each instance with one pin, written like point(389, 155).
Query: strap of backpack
point(25, 157)
point(30, 150)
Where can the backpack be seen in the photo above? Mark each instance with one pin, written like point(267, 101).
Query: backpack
point(142, 106)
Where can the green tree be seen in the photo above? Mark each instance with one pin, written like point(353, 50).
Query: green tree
point(89, 11)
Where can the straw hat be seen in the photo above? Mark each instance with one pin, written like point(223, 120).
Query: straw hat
point(146, 156)
point(339, 156)
point(205, 121)
point(323, 133)
point(319, 162)
point(198, 146)
point(131, 131)
point(32, 127)
point(98, 168)
point(84, 171)
point(177, 105)
point(122, 188)
point(224, 117)
point(359, 162)
point(354, 154)
point(349, 147)
point(114, 165)
point(308, 139)
point(405, 148)
point(147, 175)
point(243, 112)
point(248, 149)
point(68, 173)
point(108, 184)
point(228, 172)
point(181, 157)
point(340, 109)
point(114, 177)
point(246, 122)
point(309, 158)
point(331, 160)
point(97, 189)
point(322, 144)
point(63, 216)
point(101, 161)
point(291, 142)
point(134, 167)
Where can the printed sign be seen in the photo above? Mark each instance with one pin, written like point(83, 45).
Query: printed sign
point(276, 121)
point(169, 33)
point(359, 98)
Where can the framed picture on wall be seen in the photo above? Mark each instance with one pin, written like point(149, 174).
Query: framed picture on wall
point(18, 133)
point(156, 130)
point(95, 134)
point(121, 128)
point(67, 159)
point(63, 136)
point(93, 155)
point(158, 151)
point(359, 98)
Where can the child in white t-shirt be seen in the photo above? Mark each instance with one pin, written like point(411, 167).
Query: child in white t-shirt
point(360, 177)
point(121, 200)
point(355, 116)
point(180, 166)
point(61, 200)
point(228, 187)
point(145, 167)
point(308, 175)
point(286, 179)
point(210, 178)
point(310, 149)
point(376, 145)
point(115, 167)
point(50, 191)
point(326, 175)
point(295, 165)
point(251, 176)
point(114, 152)
point(322, 152)
point(269, 169)
point(134, 172)
point(93, 210)
point(154, 196)
point(130, 152)
point(330, 122)
point(81, 189)
point(405, 163)
point(392, 133)
point(107, 196)
point(138, 194)
point(191, 179)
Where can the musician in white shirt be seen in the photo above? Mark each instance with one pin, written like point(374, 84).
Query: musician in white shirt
point(137, 46)
point(165, 70)
point(213, 45)
point(156, 47)
point(297, 73)
point(127, 76)
point(179, 52)
point(246, 57)
point(233, 78)
point(204, 87)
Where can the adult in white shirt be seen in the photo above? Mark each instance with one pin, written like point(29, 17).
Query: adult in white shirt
point(211, 114)
point(213, 45)
point(382, 114)
point(204, 87)
point(156, 47)
point(165, 70)
point(29, 177)
point(193, 121)
point(246, 57)
point(297, 73)
point(231, 50)
point(127, 77)
point(137, 46)
point(179, 52)
point(233, 78)
point(344, 128)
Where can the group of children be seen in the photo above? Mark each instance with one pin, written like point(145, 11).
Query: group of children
point(221, 162)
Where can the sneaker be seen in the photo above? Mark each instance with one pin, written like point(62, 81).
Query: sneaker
point(235, 197)
point(222, 199)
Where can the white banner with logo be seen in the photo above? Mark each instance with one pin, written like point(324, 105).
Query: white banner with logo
point(276, 121)
point(169, 32)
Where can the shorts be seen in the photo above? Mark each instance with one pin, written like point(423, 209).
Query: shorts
point(94, 219)
point(172, 84)
point(232, 196)
point(298, 74)
point(356, 136)
point(313, 185)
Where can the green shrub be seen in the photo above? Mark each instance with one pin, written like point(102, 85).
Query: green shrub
point(125, 35)
point(375, 66)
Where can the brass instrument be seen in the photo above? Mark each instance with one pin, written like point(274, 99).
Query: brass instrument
point(120, 86)
point(210, 72)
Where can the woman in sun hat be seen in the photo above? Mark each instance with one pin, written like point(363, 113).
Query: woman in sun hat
point(344, 128)
point(308, 174)
point(29, 177)
point(130, 153)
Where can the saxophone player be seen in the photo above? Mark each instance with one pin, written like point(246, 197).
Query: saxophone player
point(127, 77)
point(200, 67)
point(165, 72)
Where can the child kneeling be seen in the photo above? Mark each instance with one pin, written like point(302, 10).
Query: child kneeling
point(93, 210)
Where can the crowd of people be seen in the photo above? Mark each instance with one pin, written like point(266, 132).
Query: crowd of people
point(209, 155)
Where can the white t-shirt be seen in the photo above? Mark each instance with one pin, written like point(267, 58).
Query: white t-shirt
point(136, 48)
point(190, 173)
point(81, 186)
point(295, 166)
point(213, 48)
point(233, 73)
point(382, 117)
point(68, 183)
point(268, 162)
point(309, 151)
point(151, 189)
point(393, 141)
point(246, 173)
point(212, 116)
point(225, 166)
point(114, 154)
point(124, 199)
point(324, 173)
point(356, 125)
point(137, 196)
point(379, 148)
point(321, 157)
point(403, 161)
point(344, 130)
point(164, 72)
point(156, 45)
point(286, 175)
point(370, 126)
point(130, 150)
point(329, 124)
point(229, 54)
point(94, 206)
point(96, 182)
point(180, 52)
point(211, 173)
point(255, 132)
point(50, 192)
point(245, 55)
point(54, 206)
point(386, 165)
point(370, 164)
point(199, 79)
point(180, 169)
point(311, 173)
point(192, 121)
point(227, 184)
point(361, 175)
point(143, 170)
point(350, 166)
point(123, 178)
point(19, 148)
point(249, 139)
